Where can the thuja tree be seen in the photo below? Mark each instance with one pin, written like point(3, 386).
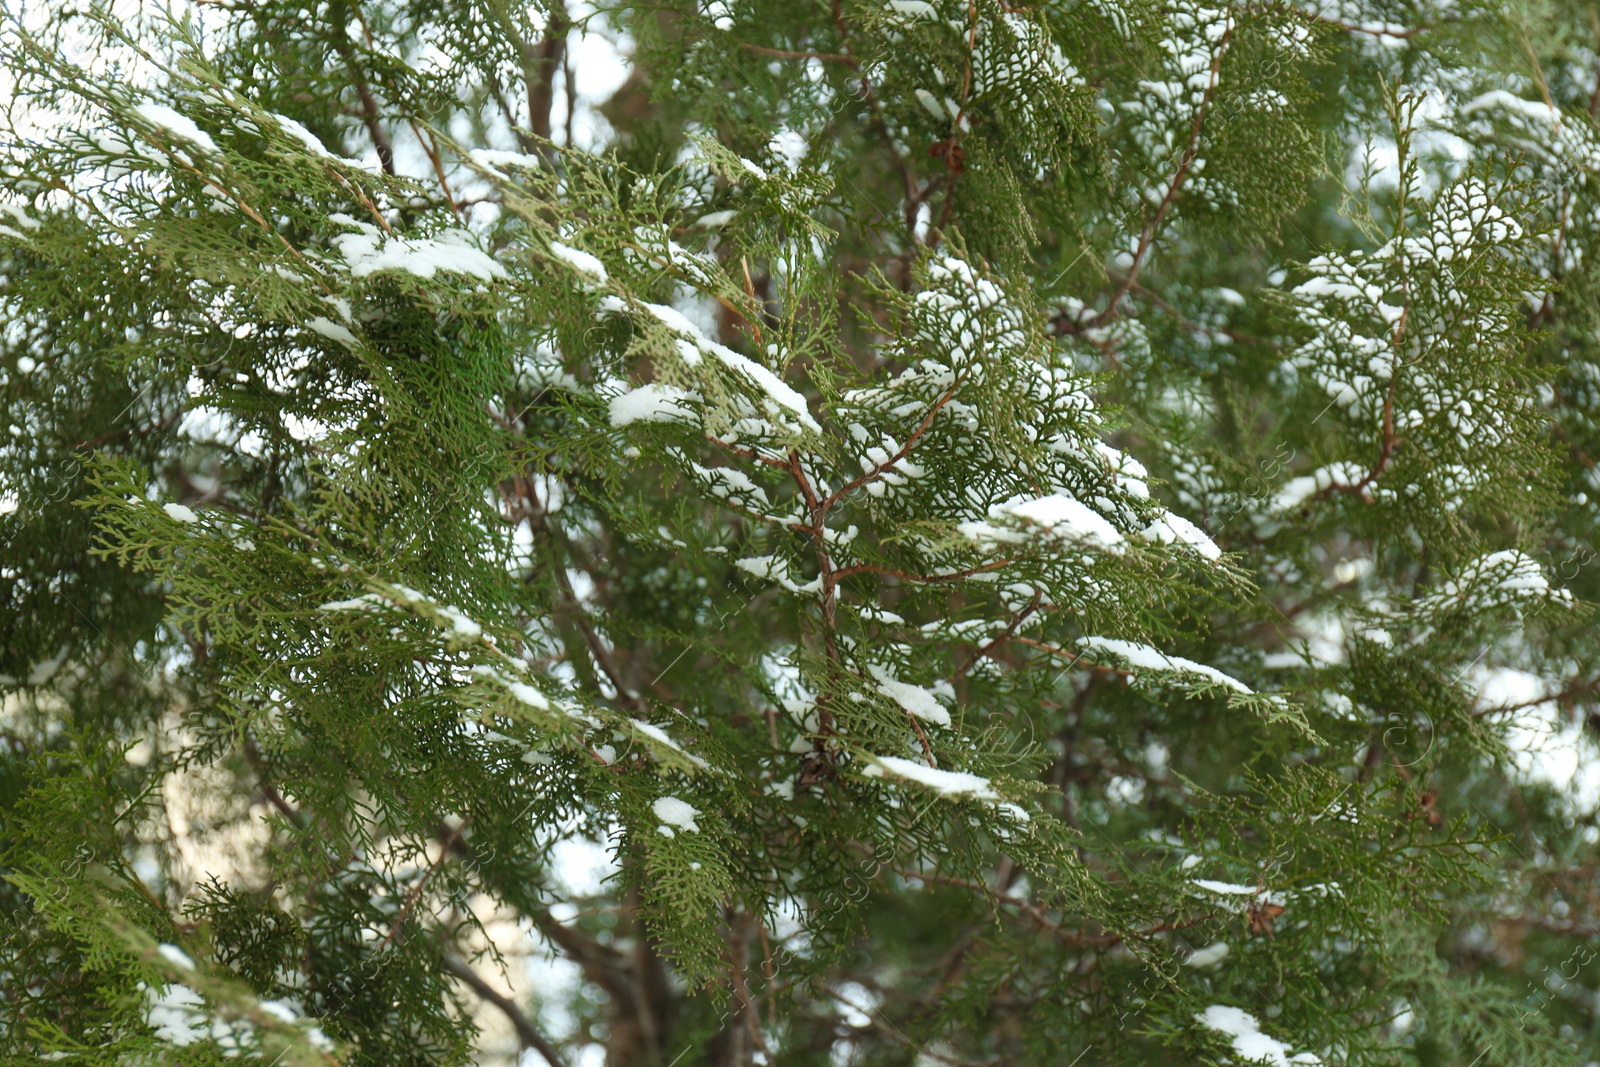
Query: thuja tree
point(1031, 533)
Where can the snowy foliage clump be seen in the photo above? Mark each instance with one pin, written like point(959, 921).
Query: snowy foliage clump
point(939, 531)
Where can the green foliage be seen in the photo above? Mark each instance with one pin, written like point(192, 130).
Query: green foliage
point(1020, 533)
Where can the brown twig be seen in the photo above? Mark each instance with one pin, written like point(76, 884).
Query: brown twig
point(1567, 695)
point(904, 450)
point(416, 891)
point(779, 53)
point(1391, 440)
point(1017, 620)
point(370, 112)
point(924, 579)
point(1152, 224)
point(431, 150)
point(527, 1034)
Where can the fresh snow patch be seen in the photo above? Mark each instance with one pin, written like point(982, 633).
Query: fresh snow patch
point(1499, 98)
point(21, 218)
point(945, 783)
point(661, 737)
point(776, 569)
point(460, 624)
point(1016, 811)
point(770, 383)
point(522, 691)
point(696, 342)
point(931, 104)
point(1169, 528)
point(452, 250)
point(175, 955)
point(528, 695)
point(1514, 573)
point(365, 602)
point(1226, 888)
point(1147, 658)
point(651, 403)
point(45, 670)
point(1064, 517)
point(176, 1014)
point(304, 136)
point(342, 306)
point(913, 698)
point(1297, 490)
point(1209, 956)
point(579, 260)
point(1249, 1042)
point(675, 320)
point(180, 512)
point(492, 159)
point(333, 331)
point(164, 118)
point(674, 813)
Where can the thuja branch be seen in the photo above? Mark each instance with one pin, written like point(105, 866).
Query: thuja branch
point(1152, 223)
